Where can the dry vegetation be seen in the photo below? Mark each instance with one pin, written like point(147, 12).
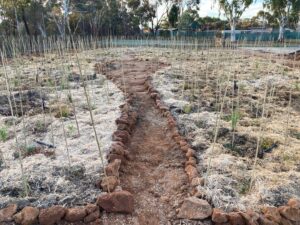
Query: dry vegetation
point(48, 147)
point(241, 113)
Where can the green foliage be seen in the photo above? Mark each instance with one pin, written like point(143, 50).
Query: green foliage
point(235, 117)
point(187, 109)
point(40, 127)
point(3, 134)
point(189, 20)
point(71, 130)
point(235, 8)
point(266, 143)
point(173, 15)
point(244, 186)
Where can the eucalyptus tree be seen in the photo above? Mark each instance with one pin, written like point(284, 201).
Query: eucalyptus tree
point(284, 11)
point(18, 8)
point(233, 10)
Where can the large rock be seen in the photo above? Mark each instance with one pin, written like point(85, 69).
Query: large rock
point(219, 216)
point(194, 208)
point(264, 221)
point(109, 183)
point(112, 169)
point(92, 217)
point(294, 203)
point(93, 213)
point(28, 216)
point(250, 217)
point(272, 214)
point(290, 213)
point(121, 201)
point(75, 214)
point(51, 215)
point(235, 218)
point(6, 214)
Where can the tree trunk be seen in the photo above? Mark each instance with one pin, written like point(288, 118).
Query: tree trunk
point(233, 34)
point(25, 22)
point(281, 33)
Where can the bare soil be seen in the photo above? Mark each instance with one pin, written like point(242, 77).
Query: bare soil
point(155, 175)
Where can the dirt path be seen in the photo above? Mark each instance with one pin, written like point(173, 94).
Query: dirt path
point(155, 175)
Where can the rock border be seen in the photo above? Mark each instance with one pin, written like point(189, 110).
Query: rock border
point(283, 215)
point(119, 201)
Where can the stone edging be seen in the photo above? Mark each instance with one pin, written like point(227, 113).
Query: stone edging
point(283, 215)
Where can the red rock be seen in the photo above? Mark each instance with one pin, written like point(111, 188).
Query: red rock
point(185, 149)
point(191, 172)
point(285, 221)
point(153, 95)
point(272, 213)
point(112, 157)
point(219, 216)
point(264, 221)
point(121, 201)
point(96, 222)
point(290, 213)
point(191, 161)
point(6, 214)
point(182, 143)
point(294, 203)
point(116, 149)
point(252, 214)
point(51, 215)
point(235, 218)
point(197, 181)
point(109, 183)
point(92, 216)
point(112, 169)
point(190, 153)
point(122, 121)
point(28, 216)
point(90, 208)
point(195, 208)
point(124, 127)
point(75, 214)
point(248, 219)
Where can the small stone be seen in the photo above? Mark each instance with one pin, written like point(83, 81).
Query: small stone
point(197, 181)
point(194, 208)
point(190, 153)
point(191, 172)
point(109, 183)
point(219, 216)
point(75, 214)
point(235, 218)
point(191, 161)
point(92, 217)
point(27, 216)
point(294, 203)
point(112, 169)
point(6, 214)
point(290, 213)
point(121, 201)
point(51, 215)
